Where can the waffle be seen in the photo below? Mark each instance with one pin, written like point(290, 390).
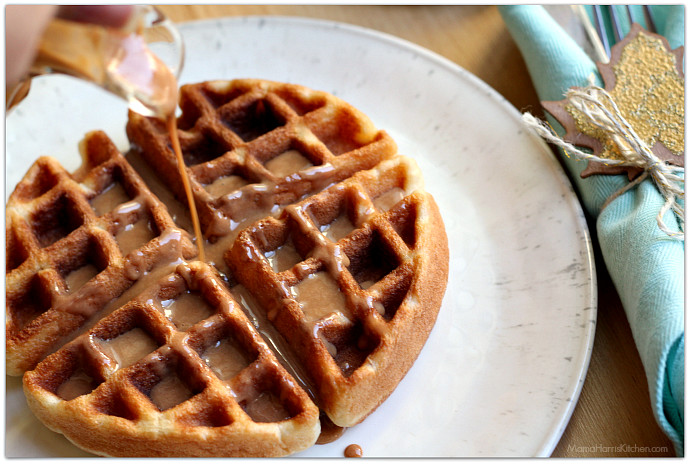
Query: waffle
point(251, 146)
point(199, 382)
point(343, 277)
point(326, 266)
point(76, 247)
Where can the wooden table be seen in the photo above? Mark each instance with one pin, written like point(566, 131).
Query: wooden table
point(613, 416)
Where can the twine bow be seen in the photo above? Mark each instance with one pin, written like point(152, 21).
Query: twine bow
point(600, 109)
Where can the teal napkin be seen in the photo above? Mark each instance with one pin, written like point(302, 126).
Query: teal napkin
point(645, 265)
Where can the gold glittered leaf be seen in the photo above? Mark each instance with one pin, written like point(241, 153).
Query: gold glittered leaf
point(645, 80)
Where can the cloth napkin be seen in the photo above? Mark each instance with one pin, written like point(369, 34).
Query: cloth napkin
point(645, 265)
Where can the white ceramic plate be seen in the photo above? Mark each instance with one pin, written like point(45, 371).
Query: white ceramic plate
point(503, 367)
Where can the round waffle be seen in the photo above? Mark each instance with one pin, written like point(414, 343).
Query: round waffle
point(326, 267)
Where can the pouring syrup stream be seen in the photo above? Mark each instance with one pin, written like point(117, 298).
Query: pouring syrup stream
point(150, 86)
point(175, 139)
point(120, 61)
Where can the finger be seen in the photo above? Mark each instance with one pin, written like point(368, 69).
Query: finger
point(105, 15)
point(24, 25)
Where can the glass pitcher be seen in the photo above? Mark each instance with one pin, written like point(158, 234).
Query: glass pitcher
point(139, 62)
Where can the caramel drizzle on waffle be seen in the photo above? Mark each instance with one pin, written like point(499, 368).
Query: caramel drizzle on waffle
point(287, 120)
point(50, 256)
point(367, 311)
point(197, 395)
point(355, 179)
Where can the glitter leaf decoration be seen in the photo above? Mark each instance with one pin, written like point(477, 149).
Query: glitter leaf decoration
point(645, 80)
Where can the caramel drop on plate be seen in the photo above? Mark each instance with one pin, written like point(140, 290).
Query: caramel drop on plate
point(353, 451)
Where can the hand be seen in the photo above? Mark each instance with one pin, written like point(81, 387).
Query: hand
point(25, 24)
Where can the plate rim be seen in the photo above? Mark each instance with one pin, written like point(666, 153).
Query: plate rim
point(549, 442)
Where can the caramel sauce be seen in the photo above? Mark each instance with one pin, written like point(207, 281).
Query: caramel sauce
point(283, 257)
point(116, 59)
point(88, 302)
point(56, 50)
point(288, 163)
point(266, 408)
point(128, 348)
point(78, 384)
point(175, 139)
point(338, 229)
point(283, 351)
point(329, 431)
point(169, 392)
point(224, 185)
point(77, 278)
point(109, 199)
point(353, 451)
point(319, 296)
point(177, 209)
point(185, 310)
point(133, 236)
point(225, 359)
